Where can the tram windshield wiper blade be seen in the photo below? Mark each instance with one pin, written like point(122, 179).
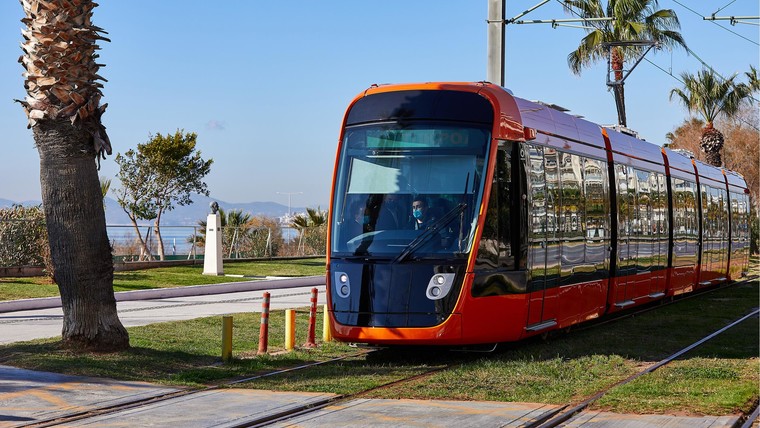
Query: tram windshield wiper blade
point(429, 232)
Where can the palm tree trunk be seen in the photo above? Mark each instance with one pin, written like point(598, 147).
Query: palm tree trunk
point(711, 143)
point(79, 246)
point(617, 92)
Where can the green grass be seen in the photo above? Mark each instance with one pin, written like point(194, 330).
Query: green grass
point(180, 352)
point(720, 377)
point(178, 276)
point(570, 368)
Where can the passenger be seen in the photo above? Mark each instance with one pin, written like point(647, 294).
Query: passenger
point(391, 213)
point(359, 222)
point(421, 217)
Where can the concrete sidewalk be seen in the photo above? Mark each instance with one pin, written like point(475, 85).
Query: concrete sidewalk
point(267, 283)
point(28, 324)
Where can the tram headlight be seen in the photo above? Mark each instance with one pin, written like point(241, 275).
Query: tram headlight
point(439, 285)
point(342, 284)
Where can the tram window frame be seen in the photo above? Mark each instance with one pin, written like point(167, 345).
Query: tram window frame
point(573, 216)
point(537, 224)
point(643, 220)
point(684, 223)
point(504, 225)
point(625, 215)
point(597, 213)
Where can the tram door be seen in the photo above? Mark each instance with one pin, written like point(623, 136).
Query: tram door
point(543, 243)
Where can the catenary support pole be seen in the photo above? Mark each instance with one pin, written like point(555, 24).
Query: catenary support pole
point(496, 39)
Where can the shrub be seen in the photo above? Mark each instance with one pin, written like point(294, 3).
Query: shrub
point(23, 237)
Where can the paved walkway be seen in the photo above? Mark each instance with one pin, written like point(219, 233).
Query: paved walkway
point(30, 397)
point(41, 318)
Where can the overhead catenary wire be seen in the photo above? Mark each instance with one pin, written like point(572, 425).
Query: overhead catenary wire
point(721, 26)
point(729, 4)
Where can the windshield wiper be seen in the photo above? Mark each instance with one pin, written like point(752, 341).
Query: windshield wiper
point(429, 232)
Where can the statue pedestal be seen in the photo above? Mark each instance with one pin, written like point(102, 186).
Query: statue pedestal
point(212, 259)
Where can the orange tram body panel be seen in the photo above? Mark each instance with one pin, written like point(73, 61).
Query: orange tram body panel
point(461, 214)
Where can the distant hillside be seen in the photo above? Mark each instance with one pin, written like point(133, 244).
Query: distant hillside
point(6, 203)
point(187, 215)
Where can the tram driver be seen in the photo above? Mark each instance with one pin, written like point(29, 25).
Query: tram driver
point(421, 215)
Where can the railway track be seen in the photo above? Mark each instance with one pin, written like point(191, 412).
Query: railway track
point(552, 419)
point(661, 303)
point(567, 412)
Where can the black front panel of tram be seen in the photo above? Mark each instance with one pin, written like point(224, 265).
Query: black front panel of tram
point(390, 295)
point(420, 105)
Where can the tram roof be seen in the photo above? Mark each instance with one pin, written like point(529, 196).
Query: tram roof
point(546, 119)
point(710, 172)
point(680, 165)
point(735, 179)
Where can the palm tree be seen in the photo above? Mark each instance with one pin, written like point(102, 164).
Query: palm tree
point(63, 108)
point(706, 95)
point(237, 230)
point(105, 186)
point(632, 21)
point(314, 218)
point(752, 80)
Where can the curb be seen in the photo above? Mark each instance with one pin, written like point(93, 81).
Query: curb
point(162, 293)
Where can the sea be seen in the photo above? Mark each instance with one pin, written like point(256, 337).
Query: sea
point(178, 240)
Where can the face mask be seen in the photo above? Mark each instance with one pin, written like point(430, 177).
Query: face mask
point(417, 213)
point(365, 219)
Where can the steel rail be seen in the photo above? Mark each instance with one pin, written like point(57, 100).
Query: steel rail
point(565, 415)
point(657, 304)
point(171, 395)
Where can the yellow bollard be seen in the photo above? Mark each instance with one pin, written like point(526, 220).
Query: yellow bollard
point(226, 338)
point(290, 329)
point(326, 334)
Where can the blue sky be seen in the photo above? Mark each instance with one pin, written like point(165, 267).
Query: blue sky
point(265, 83)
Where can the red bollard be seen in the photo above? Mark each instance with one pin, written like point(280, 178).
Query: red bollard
point(264, 329)
point(310, 339)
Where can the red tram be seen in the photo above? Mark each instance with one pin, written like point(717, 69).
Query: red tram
point(461, 214)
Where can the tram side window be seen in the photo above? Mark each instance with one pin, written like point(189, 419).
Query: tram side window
point(572, 219)
point(708, 226)
point(684, 223)
point(553, 204)
point(661, 219)
point(643, 222)
point(626, 199)
point(725, 223)
point(502, 219)
point(537, 223)
point(597, 215)
point(738, 241)
point(692, 219)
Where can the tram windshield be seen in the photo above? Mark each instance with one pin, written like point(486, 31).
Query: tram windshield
point(408, 191)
